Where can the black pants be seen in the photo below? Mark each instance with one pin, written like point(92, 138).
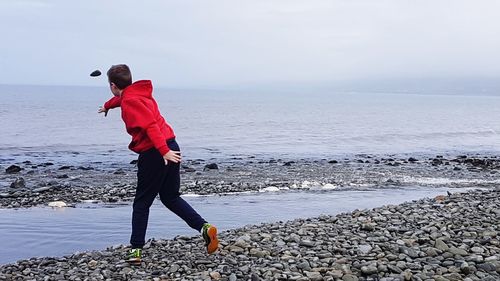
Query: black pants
point(153, 178)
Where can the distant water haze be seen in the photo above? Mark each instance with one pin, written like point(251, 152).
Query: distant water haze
point(220, 124)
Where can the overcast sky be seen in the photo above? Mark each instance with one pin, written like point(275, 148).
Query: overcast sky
point(220, 43)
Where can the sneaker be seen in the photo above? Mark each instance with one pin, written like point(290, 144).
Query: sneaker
point(134, 256)
point(209, 233)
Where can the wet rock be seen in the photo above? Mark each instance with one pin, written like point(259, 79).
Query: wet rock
point(43, 188)
point(211, 166)
point(188, 169)
point(12, 169)
point(436, 162)
point(86, 168)
point(18, 183)
point(119, 172)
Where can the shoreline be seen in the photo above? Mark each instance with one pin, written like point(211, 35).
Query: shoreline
point(29, 184)
point(453, 237)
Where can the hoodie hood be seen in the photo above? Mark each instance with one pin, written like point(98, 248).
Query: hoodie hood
point(142, 88)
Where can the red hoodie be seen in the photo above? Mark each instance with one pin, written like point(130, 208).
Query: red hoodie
point(142, 118)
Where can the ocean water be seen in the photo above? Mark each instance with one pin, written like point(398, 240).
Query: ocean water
point(39, 232)
point(52, 122)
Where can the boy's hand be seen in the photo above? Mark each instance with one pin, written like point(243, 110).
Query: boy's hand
point(172, 155)
point(102, 109)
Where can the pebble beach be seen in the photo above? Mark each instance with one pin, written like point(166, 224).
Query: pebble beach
point(450, 237)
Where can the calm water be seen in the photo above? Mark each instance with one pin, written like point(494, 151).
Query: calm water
point(62, 122)
point(55, 232)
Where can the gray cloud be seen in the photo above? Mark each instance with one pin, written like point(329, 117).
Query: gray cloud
point(217, 43)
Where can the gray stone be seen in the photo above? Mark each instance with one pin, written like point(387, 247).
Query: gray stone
point(477, 250)
point(336, 273)
point(349, 277)
point(407, 275)
point(409, 252)
point(306, 243)
point(365, 249)
point(431, 252)
point(487, 266)
point(174, 268)
point(453, 277)
point(304, 266)
point(313, 276)
point(458, 251)
point(441, 245)
point(394, 268)
point(369, 270)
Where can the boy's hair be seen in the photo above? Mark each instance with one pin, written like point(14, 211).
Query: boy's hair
point(120, 75)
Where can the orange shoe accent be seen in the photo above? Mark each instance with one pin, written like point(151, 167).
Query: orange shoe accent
point(213, 245)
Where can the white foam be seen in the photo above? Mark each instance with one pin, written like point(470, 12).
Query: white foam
point(445, 181)
point(269, 189)
point(90, 201)
point(191, 195)
point(57, 204)
point(310, 184)
point(329, 186)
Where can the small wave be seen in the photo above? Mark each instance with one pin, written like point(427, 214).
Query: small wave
point(446, 181)
point(217, 194)
point(313, 185)
point(191, 195)
point(269, 189)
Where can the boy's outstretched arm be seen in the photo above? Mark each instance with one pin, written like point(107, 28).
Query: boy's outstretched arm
point(112, 103)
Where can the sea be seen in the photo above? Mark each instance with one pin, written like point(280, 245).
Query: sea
point(61, 123)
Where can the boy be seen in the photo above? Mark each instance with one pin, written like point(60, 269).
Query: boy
point(159, 157)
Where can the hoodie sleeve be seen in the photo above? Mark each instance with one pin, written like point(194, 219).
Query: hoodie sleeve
point(137, 115)
point(113, 103)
